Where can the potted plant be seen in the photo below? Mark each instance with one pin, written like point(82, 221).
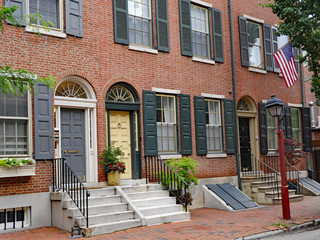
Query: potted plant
point(13, 167)
point(113, 164)
point(292, 183)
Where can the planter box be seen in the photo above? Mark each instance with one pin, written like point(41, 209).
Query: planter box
point(28, 170)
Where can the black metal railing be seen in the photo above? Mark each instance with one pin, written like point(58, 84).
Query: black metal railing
point(263, 172)
point(158, 171)
point(66, 180)
point(292, 173)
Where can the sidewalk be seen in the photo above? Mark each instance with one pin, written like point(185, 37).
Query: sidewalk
point(205, 224)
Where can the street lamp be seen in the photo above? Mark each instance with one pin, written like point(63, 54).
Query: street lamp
point(275, 107)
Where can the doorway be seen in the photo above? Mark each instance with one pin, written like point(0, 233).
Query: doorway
point(245, 144)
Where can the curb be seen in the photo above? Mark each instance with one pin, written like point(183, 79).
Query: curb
point(279, 231)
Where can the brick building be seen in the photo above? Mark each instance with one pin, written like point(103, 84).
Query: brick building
point(156, 77)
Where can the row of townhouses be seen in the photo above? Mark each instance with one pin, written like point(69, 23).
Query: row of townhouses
point(172, 78)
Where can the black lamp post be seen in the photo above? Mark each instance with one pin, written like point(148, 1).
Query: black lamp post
point(275, 107)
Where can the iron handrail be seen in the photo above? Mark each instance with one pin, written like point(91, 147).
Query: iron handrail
point(159, 171)
point(65, 179)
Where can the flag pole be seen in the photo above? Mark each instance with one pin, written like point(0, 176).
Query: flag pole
point(271, 55)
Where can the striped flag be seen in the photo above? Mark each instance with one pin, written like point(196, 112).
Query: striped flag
point(285, 60)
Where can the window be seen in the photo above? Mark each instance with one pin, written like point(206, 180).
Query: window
point(14, 124)
point(272, 132)
point(14, 218)
point(296, 124)
point(200, 33)
point(140, 22)
point(254, 43)
point(282, 40)
point(213, 126)
point(166, 123)
point(48, 9)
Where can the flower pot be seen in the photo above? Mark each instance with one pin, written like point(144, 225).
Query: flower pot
point(292, 186)
point(113, 178)
point(28, 170)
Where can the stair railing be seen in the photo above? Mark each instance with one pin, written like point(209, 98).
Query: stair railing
point(263, 172)
point(65, 179)
point(158, 171)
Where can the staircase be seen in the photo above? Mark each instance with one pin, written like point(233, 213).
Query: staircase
point(112, 209)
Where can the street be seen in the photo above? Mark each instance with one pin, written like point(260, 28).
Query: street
point(311, 233)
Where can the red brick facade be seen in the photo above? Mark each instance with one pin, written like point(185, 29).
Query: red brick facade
point(102, 62)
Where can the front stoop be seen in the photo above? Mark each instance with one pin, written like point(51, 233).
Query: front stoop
point(262, 193)
point(117, 208)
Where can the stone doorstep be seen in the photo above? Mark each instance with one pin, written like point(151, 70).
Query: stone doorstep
point(294, 198)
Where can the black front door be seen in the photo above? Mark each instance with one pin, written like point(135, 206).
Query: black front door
point(245, 147)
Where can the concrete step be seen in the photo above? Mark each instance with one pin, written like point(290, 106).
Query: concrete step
point(167, 218)
point(161, 201)
point(148, 194)
point(97, 200)
point(98, 209)
point(106, 218)
point(105, 228)
point(107, 191)
point(275, 194)
point(155, 210)
point(294, 198)
point(142, 188)
point(264, 184)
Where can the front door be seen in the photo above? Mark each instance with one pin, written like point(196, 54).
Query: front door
point(245, 146)
point(120, 135)
point(73, 140)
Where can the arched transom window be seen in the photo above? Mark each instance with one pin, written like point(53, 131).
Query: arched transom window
point(120, 94)
point(70, 89)
point(243, 106)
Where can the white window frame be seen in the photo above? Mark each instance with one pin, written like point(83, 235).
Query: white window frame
point(215, 125)
point(142, 46)
point(274, 130)
point(174, 123)
point(299, 129)
point(53, 31)
point(29, 129)
point(261, 46)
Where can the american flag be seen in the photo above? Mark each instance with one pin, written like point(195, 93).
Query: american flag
point(285, 60)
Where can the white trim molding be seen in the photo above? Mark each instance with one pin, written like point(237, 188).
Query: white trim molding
point(208, 95)
point(296, 105)
point(203, 60)
point(39, 29)
point(143, 49)
point(165, 157)
point(216, 155)
point(253, 18)
point(202, 3)
point(168, 91)
point(257, 70)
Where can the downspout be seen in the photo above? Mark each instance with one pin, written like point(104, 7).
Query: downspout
point(234, 94)
point(302, 85)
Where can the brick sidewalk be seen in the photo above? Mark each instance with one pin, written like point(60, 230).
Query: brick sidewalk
point(205, 224)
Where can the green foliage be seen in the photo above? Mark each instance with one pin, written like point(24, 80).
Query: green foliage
point(301, 22)
point(112, 159)
point(13, 162)
point(13, 81)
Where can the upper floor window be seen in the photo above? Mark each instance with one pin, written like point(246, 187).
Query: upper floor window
point(213, 126)
point(48, 9)
point(255, 43)
point(14, 124)
point(200, 33)
point(166, 123)
point(272, 132)
point(140, 22)
point(296, 124)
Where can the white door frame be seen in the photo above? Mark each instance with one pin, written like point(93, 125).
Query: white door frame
point(90, 111)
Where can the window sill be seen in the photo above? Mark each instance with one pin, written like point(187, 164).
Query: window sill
point(257, 70)
point(37, 29)
point(143, 49)
point(164, 157)
point(216, 155)
point(203, 60)
point(29, 170)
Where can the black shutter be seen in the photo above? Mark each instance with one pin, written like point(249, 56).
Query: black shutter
point(263, 129)
point(150, 123)
point(185, 125)
point(217, 35)
point(43, 122)
point(282, 121)
point(229, 126)
point(275, 49)
point(163, 26)
point(267, 36)
point(200, 117)
point(185, 27)
point(296, 60)
point(288, 132)
point(306, 129)
point(20, 13)
point(74, 18)
point(120, 21)
point(243, 33)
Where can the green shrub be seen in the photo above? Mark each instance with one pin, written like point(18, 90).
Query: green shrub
point(13, 162)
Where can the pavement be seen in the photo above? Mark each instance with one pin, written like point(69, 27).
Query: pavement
point(205, 224)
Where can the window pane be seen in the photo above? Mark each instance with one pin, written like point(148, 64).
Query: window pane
point(146, 11)
point(146, 26)
point(254, 34)
point(138, 24)
point(139, 38)
point(146, 39)
point(131, 22)
point(131, 7)
point(132, 36)
point(198, 14)
point(138, 10)
point(255, 55)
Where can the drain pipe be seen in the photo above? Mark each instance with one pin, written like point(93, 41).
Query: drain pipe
point(234, 94)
